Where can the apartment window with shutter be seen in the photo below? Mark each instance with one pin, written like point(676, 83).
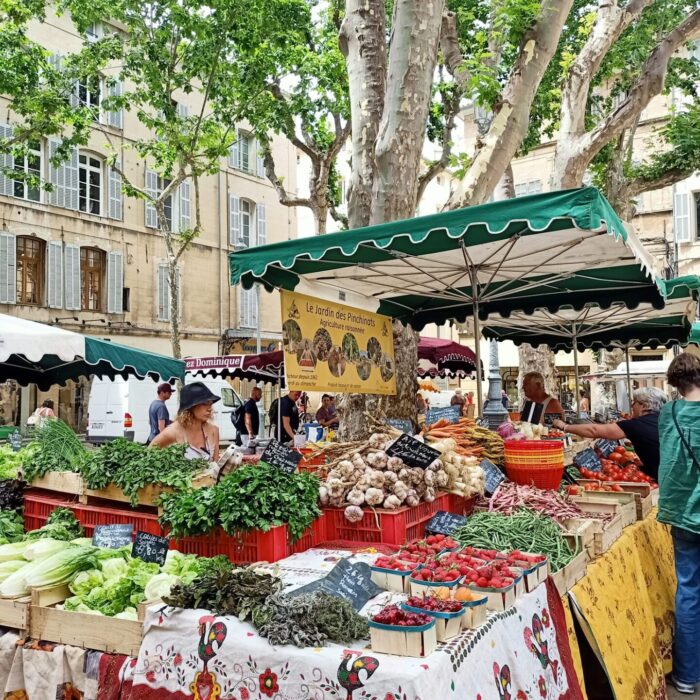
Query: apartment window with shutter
point(246, 216)
point(532, 187)
point(89, 184)
point(248, 308)
point(92, 272)
point(163, 292)
point(696, 209)
point(89, 93)
point(29, 165)
point(243, 153)
point(30, 270)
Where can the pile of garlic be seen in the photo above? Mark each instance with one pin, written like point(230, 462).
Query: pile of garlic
point(464, 474)
point(374, 479)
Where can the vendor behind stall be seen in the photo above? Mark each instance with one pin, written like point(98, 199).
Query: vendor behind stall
point(327, 414)
point(289, 413)
point(192, 426)
point(538, 402)
point(642, 430)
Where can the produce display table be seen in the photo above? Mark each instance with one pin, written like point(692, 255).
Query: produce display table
point(521, 653)
point(625, 603)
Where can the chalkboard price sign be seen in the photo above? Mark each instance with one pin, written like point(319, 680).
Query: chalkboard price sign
point(451, 413)
point(444, 523)
point(345, 580)
point(588, 459)
point(281, 456)
point(405, 426)
point(606, 447)
point(413, 452)
point(150, 548)
point(493, 476)
point(112, 536)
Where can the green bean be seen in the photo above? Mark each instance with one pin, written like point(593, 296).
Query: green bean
point(522, 530)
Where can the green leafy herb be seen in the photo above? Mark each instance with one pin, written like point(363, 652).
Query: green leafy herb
point(131, 467)
point(61, 525)
point(11, 526)
point(56, 448)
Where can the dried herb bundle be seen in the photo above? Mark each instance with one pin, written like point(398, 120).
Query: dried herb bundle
point(308, 620)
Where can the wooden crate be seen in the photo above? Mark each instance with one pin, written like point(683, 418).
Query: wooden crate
point(603, 534)
point(399, 641)
point(475, 614)
point(61, 482)
point(574, 571)
point(580, 535)
point(15, 612)
point(498, 599)
point(642, 497)
point(108, 634)
point(391, 580)
point(622, 504)
point(147, 495)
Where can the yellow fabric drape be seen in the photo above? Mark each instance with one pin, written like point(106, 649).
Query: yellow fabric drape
point(573, 643)
point(627, 599)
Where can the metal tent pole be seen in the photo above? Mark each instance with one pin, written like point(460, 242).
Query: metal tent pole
point(477, 352)
point(629, 381)
point(578, 403)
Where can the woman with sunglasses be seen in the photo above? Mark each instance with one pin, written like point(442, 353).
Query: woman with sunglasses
point(193, 426)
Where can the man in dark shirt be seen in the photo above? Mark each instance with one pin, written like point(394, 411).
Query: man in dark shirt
point(289, 414)
point(642, 430)
point(158, 416)
point(251, 417)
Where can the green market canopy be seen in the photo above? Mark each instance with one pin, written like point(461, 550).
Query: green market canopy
point(616, 326)
point(35, 353)
point(543, 251)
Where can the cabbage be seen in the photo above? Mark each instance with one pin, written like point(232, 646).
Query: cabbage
point(9, 567)
point(74, 604)
point(160, 586)
point(58, 568)
point(128, 614)
point(44, 548)
point(86, 581)
point(113, 568)
point(185, 566)
point(13, 551)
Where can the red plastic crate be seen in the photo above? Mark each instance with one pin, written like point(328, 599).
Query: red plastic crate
point(242, 548)
point(312, 537)
point(38, 507)
point(461, 505)
point(385, 526)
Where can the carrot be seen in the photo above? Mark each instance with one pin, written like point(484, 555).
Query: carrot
point(442, 423)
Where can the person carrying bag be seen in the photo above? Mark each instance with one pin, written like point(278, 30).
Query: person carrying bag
point(679, 507)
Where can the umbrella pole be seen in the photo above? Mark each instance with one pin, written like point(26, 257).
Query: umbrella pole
point(279, 405)
point(629, 381)
point(578, 403)
point(477, 352)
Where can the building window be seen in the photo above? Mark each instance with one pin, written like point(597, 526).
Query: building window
point(246, 216)
point(30, 270)
point(92, 272)
point(30, 165)
point(89, 93)
point(696, 201)
point(532, 187)
point(243, 152)
point(90, 182)
point(168, 204)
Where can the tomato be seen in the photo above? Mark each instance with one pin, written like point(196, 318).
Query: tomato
point(620, 450)
point(616, 457)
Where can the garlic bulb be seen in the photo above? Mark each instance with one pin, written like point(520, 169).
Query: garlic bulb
point(354, 514)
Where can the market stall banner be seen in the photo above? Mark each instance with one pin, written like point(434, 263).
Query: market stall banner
point(338, 348)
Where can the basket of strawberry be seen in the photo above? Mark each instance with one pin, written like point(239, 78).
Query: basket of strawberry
point(498, 581)
point(402, 632)
point(433, 575)
point(392, 573)
point(447, 614)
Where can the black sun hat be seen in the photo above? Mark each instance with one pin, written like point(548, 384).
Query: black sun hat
point(195, 394)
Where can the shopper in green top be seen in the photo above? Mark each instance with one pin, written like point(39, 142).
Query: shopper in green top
point(679, 506)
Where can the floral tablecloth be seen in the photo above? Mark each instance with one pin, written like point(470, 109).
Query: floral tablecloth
point(627, 601)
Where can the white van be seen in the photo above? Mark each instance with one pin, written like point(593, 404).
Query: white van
point(119, 408)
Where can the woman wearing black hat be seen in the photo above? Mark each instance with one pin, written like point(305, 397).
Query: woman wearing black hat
point(192, 427)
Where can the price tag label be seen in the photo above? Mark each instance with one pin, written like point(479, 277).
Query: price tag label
point(493, 476)
point(413, 452)
point(405, 426)
point(587, 459)
point(281, 456)
point(606, 447)
point(112, 536)
point(450, 413)
point(444, 523)
point(345, 580)
point(150, 548)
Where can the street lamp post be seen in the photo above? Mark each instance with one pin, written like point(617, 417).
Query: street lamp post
point(495, 412)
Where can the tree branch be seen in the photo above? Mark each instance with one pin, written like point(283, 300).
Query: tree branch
point(436, 167)
point(290, 130)
point(638, 185)
point(284, 198)
point(451, 50)
point(649, 84)
point(510, 122)
point(337, 216)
